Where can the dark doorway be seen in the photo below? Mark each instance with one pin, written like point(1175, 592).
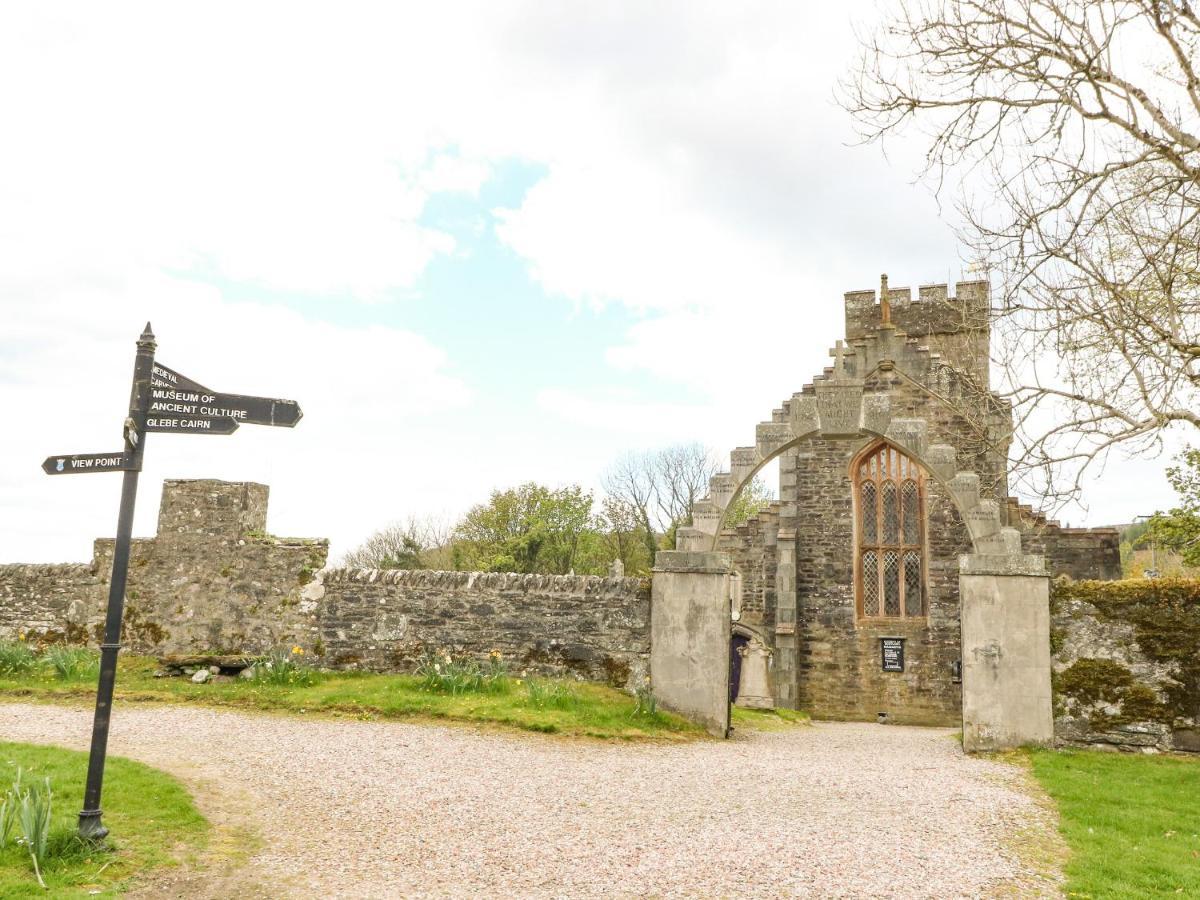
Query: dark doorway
point(735, 664)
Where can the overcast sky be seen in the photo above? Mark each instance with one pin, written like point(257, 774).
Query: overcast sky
point(480, 244)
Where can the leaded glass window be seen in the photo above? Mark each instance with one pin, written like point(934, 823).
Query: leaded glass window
point(890, 489)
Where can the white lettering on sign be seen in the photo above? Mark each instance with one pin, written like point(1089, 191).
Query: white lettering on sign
point(190, 404)
point(194, 424)
point(183, 396)
point(220, 411)
point(165, 375)
point(98, 462)
point(181, 408)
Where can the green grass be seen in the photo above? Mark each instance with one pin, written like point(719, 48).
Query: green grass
point(151, 816)
point(554, 706)
point(1132, 822)
point(768, 719)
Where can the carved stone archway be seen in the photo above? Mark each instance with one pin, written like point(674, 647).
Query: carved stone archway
point(997, 574)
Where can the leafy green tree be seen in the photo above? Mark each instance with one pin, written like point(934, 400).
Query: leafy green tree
point(754, 498)
point(1178, 529)
point(531, 528)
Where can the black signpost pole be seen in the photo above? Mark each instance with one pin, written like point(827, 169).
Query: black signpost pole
point(90, 825)
point(161, 400)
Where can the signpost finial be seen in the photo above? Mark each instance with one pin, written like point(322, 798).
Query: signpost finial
point(147, 338)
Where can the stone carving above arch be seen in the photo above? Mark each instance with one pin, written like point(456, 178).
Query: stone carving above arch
point(837, 407)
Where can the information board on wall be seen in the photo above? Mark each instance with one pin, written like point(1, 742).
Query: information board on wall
point(891, 652)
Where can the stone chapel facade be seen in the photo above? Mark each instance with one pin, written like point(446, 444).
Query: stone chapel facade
point(864, 542)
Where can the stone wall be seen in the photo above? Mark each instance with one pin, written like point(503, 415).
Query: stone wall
point(213, 581)
point(593, 627)
point(1079, 553)
point(47, 603)
point(839, 671)
point(752, 550)
point(1126, 662)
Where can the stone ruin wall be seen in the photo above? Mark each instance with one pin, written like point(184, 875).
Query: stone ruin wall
point(214, 582)
point(837, 671)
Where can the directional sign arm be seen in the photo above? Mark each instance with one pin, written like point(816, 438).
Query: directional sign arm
point(82, 463)
point(183, 424)
point(259, 410)
point(163, 377)
point(177, 394)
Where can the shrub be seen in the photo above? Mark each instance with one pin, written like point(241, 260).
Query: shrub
point(443, 673)
point(73, 663)
point(16, 658)
point(545, 694)
point(284, 667)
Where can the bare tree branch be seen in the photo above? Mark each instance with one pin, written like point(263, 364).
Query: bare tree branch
point(1078, 124)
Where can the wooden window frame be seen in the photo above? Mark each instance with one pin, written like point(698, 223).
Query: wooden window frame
point(900, 468)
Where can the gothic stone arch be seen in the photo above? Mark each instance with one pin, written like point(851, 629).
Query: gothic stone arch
point(1006, 689)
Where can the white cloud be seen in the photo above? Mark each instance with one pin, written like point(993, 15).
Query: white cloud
point(698, 174)
point(371, 398)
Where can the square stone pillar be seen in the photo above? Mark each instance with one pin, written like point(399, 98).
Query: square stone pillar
point(1005, 609)
point(690, 611)
point(205, 507)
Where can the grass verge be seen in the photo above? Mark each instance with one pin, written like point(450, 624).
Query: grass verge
point(746, 719)
point(1132, 822)
point(151, 816)
point(574, 708)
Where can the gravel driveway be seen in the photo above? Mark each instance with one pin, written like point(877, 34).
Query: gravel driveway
point(364, 809)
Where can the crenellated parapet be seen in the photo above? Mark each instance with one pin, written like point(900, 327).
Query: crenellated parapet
point(955, 326)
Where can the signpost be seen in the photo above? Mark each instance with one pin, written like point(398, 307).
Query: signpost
point(162, 401)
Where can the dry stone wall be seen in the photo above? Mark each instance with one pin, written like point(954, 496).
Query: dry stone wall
point(1126, 661)
point(592, 627)
point(214, 582)
point(47, 603)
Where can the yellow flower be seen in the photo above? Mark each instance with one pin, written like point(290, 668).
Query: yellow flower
point(298, 651)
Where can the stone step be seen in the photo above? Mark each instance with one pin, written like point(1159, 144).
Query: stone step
point(909, 435)
point(721, 488)
point(943, 461)
point(771, 436)
point(743, 461)
point(706, 517)
point(983, 521)
point(964, 486)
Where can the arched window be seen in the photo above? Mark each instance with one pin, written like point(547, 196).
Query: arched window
point(890, 560)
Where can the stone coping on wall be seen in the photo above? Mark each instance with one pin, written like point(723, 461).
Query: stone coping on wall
point(501, 581)
point(701, 561)
point(46, 569)
point(1002, 564)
